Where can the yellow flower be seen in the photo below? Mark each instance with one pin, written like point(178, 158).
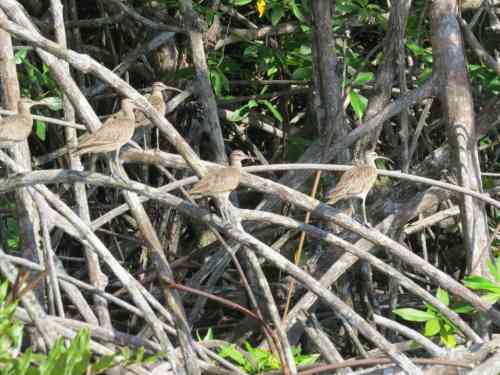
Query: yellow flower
point(261, 7)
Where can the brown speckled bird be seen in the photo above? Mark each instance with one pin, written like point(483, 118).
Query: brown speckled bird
point(356, 182)
point(17, 128)
point(222, 180)
point(156, 100)
point(116, 131)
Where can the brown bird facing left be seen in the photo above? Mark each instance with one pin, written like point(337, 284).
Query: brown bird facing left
point(17, 128)
point(116, 131)
point(356, 182)
point(221, 180)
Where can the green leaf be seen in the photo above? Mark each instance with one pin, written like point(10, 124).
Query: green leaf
point(47, 366)
point(363, 78)
point(308, 359)
point(24, 362)
point(464, 308)
point(491, 297)
point(4, 287)
point(216, 82)
point(358, 103)
point(305, 50)
point(277, 14)
point(252, 103)
point(414, 315)
point(21, 55)
point(209, 335)
point(481, 283)
point(494, 268)
point(302, 74)
point(41, 129)
point(230, 351)
point(297, 12)
point(104, 363)
point(239, 114)
point(443, 296)
point(449, 340)
point(271, 71)
point(240, 3)
point(432, 327)
point(273, 109)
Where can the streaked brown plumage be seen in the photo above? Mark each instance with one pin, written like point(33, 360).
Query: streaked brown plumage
point(223, 180)
point(16, 128)
point(356, 182)
point(116, 131)
point(156, 100)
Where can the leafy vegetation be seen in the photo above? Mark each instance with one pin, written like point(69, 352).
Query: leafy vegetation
point(436, 324)
point(72, 357)
point(256, 360)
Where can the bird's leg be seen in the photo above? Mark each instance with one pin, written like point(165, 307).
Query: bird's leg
point(116, 169)
point(364, 214)
point(351, 204)
point(117, 159)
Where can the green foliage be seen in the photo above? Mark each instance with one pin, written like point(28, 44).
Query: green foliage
point(9, 226)
point(358, 103)
point(11, 330)
point(76, 359)
point(436, 324)
point(424, 56)
point(255, 360)
point(72, 359)
point(208, 336)
point(487, 79)
point(359, 13)
point(490, 290)
point(35, 80)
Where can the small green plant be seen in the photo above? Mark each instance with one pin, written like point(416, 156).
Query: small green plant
point(11, 329)
point(208, 336)
point(74, 358)
point(436, 324)
point(490, 290)
point(256, 360)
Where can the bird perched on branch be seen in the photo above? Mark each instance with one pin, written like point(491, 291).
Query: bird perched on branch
point(17, 128)
point(221, 180)
point(116, 131)
point(156, 100)
point(357, 181)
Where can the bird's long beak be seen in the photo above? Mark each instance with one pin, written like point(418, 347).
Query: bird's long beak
point(170, 88)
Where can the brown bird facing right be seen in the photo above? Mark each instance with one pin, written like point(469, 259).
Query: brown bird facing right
point(116, 131)
point(17, 128)
point(356, 182)
point(221, 180)
point(157, 101)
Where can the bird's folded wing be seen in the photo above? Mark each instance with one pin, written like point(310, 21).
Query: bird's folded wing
point(220, 181)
